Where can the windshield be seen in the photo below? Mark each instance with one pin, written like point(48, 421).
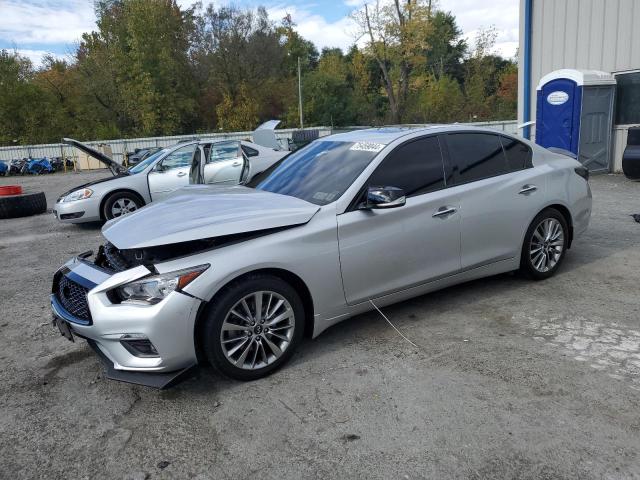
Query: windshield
point(138, 167)
point(320, 172)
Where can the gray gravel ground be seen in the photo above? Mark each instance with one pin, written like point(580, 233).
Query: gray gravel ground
point(513, 379)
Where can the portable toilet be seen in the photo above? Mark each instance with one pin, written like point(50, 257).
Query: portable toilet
point(575, 113)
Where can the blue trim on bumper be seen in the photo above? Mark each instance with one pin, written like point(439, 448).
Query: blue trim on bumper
point(60, 312)
point(74, 277)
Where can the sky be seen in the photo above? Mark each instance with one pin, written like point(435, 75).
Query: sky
point(38, 27)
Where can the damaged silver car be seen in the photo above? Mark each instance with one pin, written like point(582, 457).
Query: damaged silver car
point(237, 275)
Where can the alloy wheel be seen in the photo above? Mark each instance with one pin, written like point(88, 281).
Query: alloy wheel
point(547, 245)
point(122, 206)
point(257, 330)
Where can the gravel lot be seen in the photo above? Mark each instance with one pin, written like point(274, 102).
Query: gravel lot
point(513, 379)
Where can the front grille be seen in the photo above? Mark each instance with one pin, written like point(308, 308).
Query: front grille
point(74, 298)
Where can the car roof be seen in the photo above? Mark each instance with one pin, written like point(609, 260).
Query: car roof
point(386, 135)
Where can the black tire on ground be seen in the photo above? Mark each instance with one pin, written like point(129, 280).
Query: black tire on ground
point(116, 196)
point(24, 205)
point(526, 263)
point(216, 313)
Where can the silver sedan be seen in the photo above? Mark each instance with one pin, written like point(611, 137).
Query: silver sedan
point(161, 174)
point(349, 223)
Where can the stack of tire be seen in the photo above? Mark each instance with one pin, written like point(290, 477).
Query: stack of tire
point(14, 203)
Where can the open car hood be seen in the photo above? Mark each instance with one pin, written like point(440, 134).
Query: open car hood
point(204, 211)
point(115, 167)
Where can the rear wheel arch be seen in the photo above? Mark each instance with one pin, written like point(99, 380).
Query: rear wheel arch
point(567, 216)
point(289, 277)
point(106, 197)
point(552, 260)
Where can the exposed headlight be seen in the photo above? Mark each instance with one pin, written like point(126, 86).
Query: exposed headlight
point(151, 290)
point(78, 195)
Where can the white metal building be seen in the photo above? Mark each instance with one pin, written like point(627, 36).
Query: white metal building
point(582, 34)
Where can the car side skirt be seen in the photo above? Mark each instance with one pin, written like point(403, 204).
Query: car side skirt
point(495, 268)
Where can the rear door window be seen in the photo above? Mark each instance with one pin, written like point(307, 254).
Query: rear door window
point(518, 154)
point(221, 151)
point(475, 156)
point(416, 167)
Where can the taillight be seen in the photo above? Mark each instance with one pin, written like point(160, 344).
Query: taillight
point(583, 172)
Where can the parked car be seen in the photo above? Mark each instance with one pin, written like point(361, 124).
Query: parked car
point(161, 174)
point(139, 154)
point(236, 275)
point(4, 169)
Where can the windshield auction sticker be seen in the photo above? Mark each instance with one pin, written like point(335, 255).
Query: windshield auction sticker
point(367, 146)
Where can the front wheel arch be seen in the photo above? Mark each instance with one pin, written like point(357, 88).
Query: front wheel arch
point(105, 199)
point(291, 278)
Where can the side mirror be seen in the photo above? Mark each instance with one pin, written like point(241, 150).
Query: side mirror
point(158, 168)
point(384, 197)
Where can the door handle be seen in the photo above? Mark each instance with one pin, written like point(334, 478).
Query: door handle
point(527, 189)
point(236, 164)
point(444, 211)
point(181, 174)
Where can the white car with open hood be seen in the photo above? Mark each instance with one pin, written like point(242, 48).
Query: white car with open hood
point(225, 162)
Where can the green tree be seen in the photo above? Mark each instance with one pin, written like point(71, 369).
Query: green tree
point(136, 66)
point(154, 68)
point(438, 100)
point(328, 95)
point(296, 47)
point(480, 77)
point(445, 47)
point(20, 119)
point(396, 34)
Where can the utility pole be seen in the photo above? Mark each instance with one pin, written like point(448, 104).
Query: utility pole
point(300, 95)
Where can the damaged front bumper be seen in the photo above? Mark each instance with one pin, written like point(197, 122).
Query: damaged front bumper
point(146, 344)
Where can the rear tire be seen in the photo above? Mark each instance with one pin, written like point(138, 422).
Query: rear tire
point(120, 203)
point(251, 343)
point(545, 245)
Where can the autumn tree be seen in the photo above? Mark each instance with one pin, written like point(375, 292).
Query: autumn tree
point(395, 34)
point(152, 67)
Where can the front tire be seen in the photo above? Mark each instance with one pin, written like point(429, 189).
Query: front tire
point(253, 327)
point(545, 245)
point(119, 204)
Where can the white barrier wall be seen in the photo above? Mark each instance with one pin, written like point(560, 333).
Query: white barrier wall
point(121, 146)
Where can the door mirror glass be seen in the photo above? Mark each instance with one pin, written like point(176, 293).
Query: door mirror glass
point(159, 168)
point(384, 197)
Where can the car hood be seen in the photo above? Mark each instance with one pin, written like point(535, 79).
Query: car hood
point(115, 167)
point(204, 211)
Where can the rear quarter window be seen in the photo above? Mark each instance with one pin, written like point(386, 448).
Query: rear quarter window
point(475, 156)
point(518, 154)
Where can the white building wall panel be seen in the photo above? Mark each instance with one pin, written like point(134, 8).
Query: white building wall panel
point(582, 34)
